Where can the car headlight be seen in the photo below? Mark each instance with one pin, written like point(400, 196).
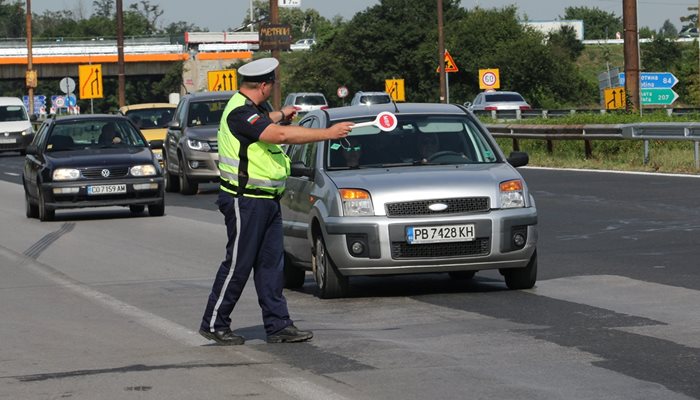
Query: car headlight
point(143, 170)
point(512, 194)
point(199, 145)
point(27, 131)
point(65, 174)
point(356, 203)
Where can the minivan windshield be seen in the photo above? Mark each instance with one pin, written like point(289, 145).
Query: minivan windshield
point(416, 140)
point(13, 113)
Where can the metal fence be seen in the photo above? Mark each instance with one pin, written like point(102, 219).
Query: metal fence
point(538, 113)
point(641, 131)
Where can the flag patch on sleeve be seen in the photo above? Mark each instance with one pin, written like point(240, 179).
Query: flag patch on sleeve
point(253, 119)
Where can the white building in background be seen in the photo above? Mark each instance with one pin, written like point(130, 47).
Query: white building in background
point(548, 27)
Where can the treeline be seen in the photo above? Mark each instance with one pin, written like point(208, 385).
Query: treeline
point(393, 39)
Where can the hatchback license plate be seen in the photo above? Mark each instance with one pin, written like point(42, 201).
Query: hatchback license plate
point(8, 140)
point(106, 189)
point(441, 233)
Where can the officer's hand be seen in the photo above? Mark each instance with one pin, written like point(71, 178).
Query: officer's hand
point(340, 130)
point(289, 112)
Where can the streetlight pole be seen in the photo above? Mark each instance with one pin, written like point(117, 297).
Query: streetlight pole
point(120, 55)
point(441, 54)
point(31, 77)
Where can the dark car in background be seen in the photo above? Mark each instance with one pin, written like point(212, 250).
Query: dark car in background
point(91, 160)
point(190, 151)
point(434, 194)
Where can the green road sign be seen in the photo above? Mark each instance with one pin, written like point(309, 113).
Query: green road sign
point(663, 97)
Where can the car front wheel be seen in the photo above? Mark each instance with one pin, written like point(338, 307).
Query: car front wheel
point(31, 209)
point(330, 283)
point(522, 278)
point(187, 187)
point(171, 181)
point(45, 213)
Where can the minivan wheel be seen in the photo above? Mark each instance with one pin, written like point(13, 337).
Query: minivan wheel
point(522, 278)
point(330, 283)
point(187, 187)
point(293, 276)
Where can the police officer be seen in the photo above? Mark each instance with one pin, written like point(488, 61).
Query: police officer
point(253, 171)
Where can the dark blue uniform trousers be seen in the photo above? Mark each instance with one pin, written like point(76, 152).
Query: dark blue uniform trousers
point(254, 228)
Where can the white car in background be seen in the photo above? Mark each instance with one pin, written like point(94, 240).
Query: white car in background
point(303, 44)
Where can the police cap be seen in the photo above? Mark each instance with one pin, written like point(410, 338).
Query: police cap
point(261, 70)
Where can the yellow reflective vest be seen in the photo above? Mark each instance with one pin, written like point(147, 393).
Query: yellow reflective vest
point(261, 168)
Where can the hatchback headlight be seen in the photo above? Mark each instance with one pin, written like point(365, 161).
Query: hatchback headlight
point(27, 131)
point(199, 145)
point(143, 170)
point(512, 194)
point(356, 203)
point(65, 174)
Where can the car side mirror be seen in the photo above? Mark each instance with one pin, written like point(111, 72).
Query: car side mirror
point(175, 125)
point(156, 144)
point(518, 159)
point(298, 168)
point(32, 149)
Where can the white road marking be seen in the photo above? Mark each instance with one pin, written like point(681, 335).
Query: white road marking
point(11, 173)
point(676, 307)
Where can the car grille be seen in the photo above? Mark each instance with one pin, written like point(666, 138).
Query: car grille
point(454, 206)
point(476, 247)
point(214, 146)
point(96, 173)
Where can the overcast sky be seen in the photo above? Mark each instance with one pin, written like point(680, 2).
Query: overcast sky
point(218, 15)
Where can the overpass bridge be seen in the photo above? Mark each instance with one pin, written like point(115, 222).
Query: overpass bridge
point(200, 51)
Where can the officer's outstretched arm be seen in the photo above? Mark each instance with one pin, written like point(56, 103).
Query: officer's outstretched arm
point(288, 134)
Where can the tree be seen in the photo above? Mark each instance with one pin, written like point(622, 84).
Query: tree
point(12, 19)
point(668, 30)
point(566, 41)
point(598, 24)
point(661, 54)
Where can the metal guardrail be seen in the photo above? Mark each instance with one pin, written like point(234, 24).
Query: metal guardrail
point(503, 115)
point(641, 131)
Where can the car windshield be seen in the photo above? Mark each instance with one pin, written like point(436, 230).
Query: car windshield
point(501, 97)
point(416, 140)
point(206, 112)
point(12, 113)
point(310, 100)
point(375, 99)
point(84, 134)
point(151, 118)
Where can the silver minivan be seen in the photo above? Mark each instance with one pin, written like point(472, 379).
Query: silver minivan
point(434, 194)
point(16, 130)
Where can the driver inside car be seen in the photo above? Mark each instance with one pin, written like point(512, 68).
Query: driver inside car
point(428, 145)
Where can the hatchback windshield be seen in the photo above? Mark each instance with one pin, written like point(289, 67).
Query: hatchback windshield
point(310, 100)
point(82, 134)
point(500, 97)
point(151, 118)
point(206, 112)
point(375, 99)
point(416, 140)
point(12, 113)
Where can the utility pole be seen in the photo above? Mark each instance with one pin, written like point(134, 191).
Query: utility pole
point(441, 54)
point(31, 75)
point(120, 55)
point(276, 90)
point(631, 50)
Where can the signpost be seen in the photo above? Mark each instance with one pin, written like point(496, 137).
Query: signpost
point(395, 89)
point(450, 66)
point(489, 78)
point(221, 80)
point(656, 88)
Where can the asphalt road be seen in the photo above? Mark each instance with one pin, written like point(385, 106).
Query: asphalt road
point(100, 304)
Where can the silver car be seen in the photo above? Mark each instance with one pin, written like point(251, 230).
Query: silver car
point(435, 194)
point(493, 100)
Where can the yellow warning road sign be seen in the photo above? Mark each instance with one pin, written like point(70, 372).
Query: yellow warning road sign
point(489, 79)
point(224, 79)
point(450, 65)
point(615, 98)
point(395, 89)
point(90, 77)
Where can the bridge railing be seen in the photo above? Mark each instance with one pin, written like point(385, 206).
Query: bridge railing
point(506, 115)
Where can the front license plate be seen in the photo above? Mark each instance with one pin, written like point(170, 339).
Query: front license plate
point(7, 140)
point(106, 189)
point(441, 233)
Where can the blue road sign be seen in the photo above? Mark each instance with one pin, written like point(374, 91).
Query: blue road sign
point(39, 101)
point(653, 80)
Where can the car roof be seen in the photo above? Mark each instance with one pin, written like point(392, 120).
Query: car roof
point(306, 94)
point(376, 93)
point(342, 113)
point(82, 117)
point(144, 106)
point(11, 101)
point(217, 95)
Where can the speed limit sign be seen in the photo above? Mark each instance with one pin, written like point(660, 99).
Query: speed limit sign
point(489, 79)
point(342, 92)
